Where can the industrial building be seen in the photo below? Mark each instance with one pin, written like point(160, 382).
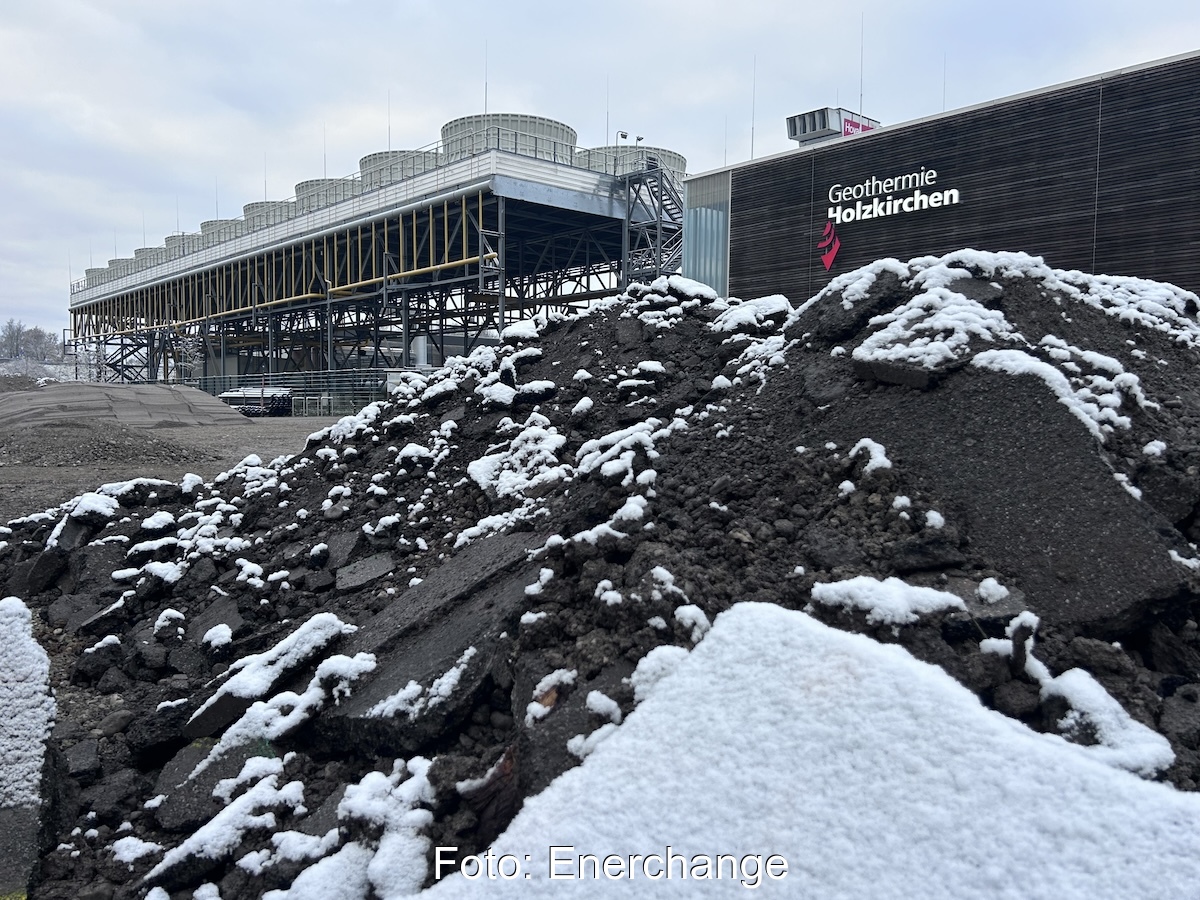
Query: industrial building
point(1100, 175)
point(425, 253)
point(419, 255)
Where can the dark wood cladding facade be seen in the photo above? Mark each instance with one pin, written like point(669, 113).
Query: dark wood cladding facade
point(1102, 176)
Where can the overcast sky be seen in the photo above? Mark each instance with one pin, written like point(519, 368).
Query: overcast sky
point(122, 121)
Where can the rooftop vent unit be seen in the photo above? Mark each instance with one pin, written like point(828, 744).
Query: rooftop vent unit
point(828, 122)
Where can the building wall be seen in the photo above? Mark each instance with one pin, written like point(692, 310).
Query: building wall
point(1102, 176)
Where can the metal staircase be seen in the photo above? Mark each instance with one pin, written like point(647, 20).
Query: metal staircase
point(653, 240)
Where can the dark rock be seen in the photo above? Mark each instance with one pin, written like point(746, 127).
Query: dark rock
point(76, 531)
point(365, 571)
point(931, 549)
point(785, 528)
point(115, 722)
point(542, 746)
point(1100, 563)
point(83, 761)
point(151, 654)
point(189, 660)
point(344, 547)
point(67, 730)
point(325, 817)
point(90, 666)
point(451, 582)
point(69, 610)
point(980, 672)
point(189, 801)
point(151, 588)
point(98, 890)
point(113, 681)
point(42, 572)
point(155, 736)
point(1173, 493)
point(202, 572)
point(221, 611)
point(423, 655)
point(319, 581)
point(1167, 653)
point(1100, 657)
point(1016, 699)
point(894, 373)
point(830, 549)
point(105, 620)
point(1181, 716)
point(113, 797)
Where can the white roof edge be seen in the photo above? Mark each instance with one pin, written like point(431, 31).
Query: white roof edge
point(1011, 98)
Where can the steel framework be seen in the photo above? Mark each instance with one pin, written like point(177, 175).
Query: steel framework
point(452, 269)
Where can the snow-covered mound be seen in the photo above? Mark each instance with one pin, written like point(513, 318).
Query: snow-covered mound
point(508, 610)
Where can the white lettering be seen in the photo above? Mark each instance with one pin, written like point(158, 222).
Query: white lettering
point(439, 860)
point(659, 871)
point(751, 876)
point(873, 187)
point(555, 859)
point(751, 870)
point(475, 863)
point(504, 860)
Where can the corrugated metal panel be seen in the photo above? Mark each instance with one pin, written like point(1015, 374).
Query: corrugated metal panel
point(1147, 219)
point(706, 230)
point(1027, 175)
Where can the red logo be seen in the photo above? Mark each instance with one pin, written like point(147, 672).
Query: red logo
point(853, 126)
point(829, 239)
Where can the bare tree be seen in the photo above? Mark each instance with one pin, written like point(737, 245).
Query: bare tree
point(42, 345)
point(10, 338)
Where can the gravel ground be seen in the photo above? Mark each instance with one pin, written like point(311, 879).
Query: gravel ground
point(43, 466)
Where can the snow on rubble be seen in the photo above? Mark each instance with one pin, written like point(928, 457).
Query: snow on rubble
point(830, 712)
point(540, 595)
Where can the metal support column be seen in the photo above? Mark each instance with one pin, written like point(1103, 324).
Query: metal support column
point(329, 367)
point(623, 277)
point(405, 333)
point(500, 242)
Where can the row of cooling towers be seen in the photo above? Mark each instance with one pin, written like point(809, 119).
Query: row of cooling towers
point(461, 138)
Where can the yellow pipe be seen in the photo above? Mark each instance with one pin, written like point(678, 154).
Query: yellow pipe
point(453, 264)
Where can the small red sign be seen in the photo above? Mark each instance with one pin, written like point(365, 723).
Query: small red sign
point(852, 126)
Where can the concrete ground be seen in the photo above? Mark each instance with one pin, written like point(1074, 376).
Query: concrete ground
point(18, 849)
point(61, 440)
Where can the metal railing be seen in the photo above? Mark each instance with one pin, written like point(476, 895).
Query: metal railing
point(327, 393)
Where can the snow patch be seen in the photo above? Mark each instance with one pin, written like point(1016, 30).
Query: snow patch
point(887, 602)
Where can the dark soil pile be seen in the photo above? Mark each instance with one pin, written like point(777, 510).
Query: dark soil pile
point(10, 383)
point(65, 444)
point(587, 492)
